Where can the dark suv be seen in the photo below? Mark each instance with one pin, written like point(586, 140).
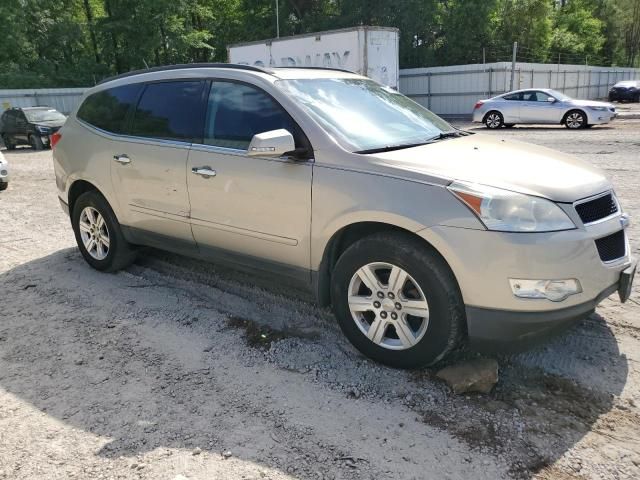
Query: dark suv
point(625, 90)
point(30, 126)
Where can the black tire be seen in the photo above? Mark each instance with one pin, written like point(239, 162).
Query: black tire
point(446, 323)
point(6, 139)
point(637, 99)
point(509, 125)
point(493, 120)
point(575, 120)
point(3, 186)
point(120, 253)
point(36, 142)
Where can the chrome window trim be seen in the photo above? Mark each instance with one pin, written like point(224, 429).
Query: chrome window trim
point(201, 147)
point(134, 139)
point(595, 197)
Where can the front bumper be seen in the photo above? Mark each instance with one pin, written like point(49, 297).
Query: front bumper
point(484, 261)
point(491, 330)
point(597, 117)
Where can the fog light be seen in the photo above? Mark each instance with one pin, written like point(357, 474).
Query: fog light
point(554, 290)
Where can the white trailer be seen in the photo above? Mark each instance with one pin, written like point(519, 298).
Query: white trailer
point(369, 51)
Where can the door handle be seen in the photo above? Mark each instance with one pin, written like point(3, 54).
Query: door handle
point(122, 158)
point(205, 172)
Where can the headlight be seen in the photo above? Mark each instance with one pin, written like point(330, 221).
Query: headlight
point(599, 109)
point(42, 129)
point(507, 211)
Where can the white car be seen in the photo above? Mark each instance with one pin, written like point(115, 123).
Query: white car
point(4, 172)
point(541, 105)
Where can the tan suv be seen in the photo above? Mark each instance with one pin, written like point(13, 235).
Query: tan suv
point(418, 234)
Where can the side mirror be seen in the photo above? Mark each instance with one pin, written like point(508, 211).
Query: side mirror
point(274, 143)
point(551, 99)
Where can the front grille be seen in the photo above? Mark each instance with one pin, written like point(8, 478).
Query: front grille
point(597, 209)
point(611, 247)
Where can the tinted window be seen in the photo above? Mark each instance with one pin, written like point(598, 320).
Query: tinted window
point(170, 110)
point(236, 112)
point(513, 96)
point(108, 109)
point(535, 96)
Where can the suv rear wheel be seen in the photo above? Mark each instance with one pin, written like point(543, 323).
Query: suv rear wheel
point(6, 139)
point(99, 235)
point(397, 300)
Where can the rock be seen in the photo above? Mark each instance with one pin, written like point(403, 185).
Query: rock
point(226, 454)
point(479, 375)
point(197, 451)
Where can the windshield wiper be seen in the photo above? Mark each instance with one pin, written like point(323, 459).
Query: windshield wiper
point(390, 148)
point(444, 135)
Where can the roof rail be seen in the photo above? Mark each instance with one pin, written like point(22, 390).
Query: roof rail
point(316, 68)
point(164, 68)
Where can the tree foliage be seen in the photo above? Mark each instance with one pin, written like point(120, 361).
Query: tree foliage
point(48, 43)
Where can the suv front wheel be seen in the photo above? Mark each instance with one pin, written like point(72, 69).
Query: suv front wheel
point(397, 300)
point(99, 235)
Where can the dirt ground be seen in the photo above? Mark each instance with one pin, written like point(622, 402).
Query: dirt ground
point(174, 369)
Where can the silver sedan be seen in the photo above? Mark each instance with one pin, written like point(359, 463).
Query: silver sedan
point(541, 105)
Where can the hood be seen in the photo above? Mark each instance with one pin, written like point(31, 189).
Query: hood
point(590, 103)
point(507, 164)
point(50, 123)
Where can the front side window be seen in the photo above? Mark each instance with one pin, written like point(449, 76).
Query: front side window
point(108, 109)
point(170, 111)
point(536, 96)
point(236, 112)
point(364, 115)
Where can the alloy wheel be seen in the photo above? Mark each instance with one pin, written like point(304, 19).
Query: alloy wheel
point(575, 120)
point(388, 306)
point(94, 233)
point(493, 120)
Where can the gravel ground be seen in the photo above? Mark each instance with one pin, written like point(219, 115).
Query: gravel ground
point(174, 369)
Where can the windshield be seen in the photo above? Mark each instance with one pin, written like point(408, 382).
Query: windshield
point(558, 95)
point(35, 116)
point(365, 115)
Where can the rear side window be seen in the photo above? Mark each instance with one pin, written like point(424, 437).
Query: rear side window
point(170, 111)
point(513, 96)
point(108, 109)
point(236, 112)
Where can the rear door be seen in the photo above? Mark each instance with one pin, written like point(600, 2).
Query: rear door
point(255, 206)
point(20, 127)
point(149, 164)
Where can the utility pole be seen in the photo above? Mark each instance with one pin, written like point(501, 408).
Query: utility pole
point(277, 20)
point(513, 64)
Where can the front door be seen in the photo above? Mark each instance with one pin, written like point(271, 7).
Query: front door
point(255, 206)
point(535, 107)
point(149, 164)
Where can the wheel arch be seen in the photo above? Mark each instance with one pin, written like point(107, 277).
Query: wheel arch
point(77, 188)
point(574, 109)
point(343, 239)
